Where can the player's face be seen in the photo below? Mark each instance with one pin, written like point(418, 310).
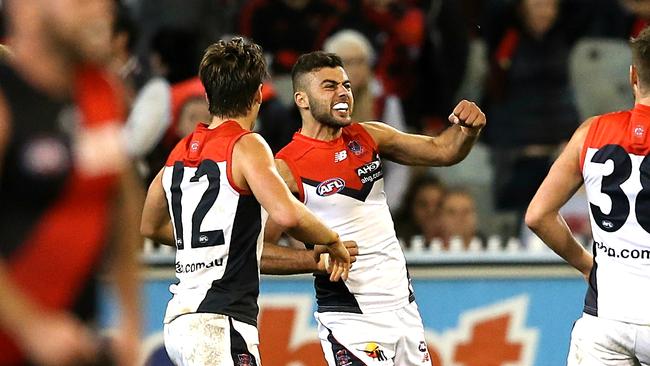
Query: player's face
point(79, 28)
point(330, 97)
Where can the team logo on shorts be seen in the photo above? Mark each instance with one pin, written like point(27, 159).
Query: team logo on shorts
point(355, 147)
point(373, 351)
point(246, 360)
point(330, 187)
point(343, 358)
point(422, 347)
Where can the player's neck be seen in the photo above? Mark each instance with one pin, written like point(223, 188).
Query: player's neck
point(45, 68)
point(645, 100)
point(246, 122)
point(319, 131)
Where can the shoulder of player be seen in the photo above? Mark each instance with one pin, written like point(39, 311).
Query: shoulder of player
point(251, 147)
point(379, 131)
point(294, 150)
point(251, 142)
point(586, 125)
point(580, 134)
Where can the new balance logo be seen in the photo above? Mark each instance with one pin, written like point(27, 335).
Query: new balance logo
point(340, 156)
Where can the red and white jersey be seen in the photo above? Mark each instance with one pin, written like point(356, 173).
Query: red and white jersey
point(341, 181)
point(616, 171)
point(218, 227)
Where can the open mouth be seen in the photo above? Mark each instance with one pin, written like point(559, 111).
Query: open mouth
point(341, 107)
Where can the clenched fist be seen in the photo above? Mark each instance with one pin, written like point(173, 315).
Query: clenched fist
point(469, 117)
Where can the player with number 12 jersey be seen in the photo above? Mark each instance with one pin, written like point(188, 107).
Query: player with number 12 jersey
point(217, 241)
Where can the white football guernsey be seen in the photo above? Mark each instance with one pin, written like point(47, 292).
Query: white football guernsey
point(218, 228)
point(616, 170)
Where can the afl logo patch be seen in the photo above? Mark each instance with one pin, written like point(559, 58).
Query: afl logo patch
point(330, 187)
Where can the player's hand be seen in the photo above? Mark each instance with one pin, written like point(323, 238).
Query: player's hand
point(323, 257)
point(339, 260)
point(469, 117)
point(58, 339)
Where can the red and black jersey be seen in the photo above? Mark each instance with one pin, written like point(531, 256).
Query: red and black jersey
point(54, 214)
point(342, 182)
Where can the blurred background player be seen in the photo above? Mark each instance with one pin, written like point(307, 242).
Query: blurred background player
point(609, 155)
point(66, 187)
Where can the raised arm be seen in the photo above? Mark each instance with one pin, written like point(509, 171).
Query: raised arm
point(543, 215)
point(255, 163)
point(448, 148)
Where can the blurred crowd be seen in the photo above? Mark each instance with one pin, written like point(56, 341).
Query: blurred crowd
point(538, 68)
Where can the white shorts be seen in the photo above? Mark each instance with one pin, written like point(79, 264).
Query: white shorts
point(603, 342)
point(388, 338)
point(211, 339)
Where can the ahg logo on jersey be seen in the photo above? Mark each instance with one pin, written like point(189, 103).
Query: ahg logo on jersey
point(330, 187)
point(371, 171)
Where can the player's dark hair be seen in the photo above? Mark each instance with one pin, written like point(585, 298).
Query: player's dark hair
point(231, 72)
point(313, 61)
point(641, 56)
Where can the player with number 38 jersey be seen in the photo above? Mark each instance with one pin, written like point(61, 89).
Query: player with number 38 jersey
point(610, 155)
point(616, 171)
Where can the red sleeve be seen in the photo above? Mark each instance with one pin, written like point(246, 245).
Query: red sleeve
point(282, 155)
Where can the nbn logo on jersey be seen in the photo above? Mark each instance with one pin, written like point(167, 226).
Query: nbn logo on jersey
point(330, 187)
